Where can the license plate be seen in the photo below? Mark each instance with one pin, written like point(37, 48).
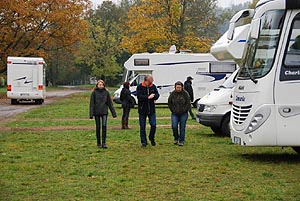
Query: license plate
point(237, 140)
point(24, 94)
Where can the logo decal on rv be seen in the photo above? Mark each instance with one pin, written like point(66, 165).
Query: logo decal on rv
point(240, 98)
point(24, 78)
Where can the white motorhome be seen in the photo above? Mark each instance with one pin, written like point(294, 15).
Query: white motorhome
point(214, 109)
point(266, 100)
point(168, 68)
point(26, 79)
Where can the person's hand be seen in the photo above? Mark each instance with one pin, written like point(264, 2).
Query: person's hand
point(151, 96)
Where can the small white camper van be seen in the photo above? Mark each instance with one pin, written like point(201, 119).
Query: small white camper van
point(26, 79)
point(167, 68)
point(214, 109)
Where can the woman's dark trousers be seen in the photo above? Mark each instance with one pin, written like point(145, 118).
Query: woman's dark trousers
point(101, 119)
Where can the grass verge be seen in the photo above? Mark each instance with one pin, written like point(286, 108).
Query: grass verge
point(64, 164)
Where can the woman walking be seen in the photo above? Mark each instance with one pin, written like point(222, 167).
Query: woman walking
point(179, 103)
point(127, 103)
point(99, 103)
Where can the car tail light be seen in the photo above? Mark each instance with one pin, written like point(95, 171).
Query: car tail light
point(8, 62)
point(41, 87)
point(8, 88)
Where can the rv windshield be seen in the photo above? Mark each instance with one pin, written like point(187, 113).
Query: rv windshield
point(259, 55)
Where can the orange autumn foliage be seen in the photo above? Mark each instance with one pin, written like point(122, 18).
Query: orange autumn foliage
point(155, 25)
point(36, 27)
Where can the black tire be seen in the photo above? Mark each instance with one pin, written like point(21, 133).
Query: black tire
point(225, 127)
point(216, 130)
point(38, 101)
point(14, 101)
point(296, 149)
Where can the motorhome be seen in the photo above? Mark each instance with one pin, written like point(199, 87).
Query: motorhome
point(266, 99)
point(214, 109)
point(26, 79)
point(167, 68)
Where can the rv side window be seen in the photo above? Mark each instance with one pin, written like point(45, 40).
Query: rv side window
point(141, 62)
point(292, 57)
point(222, 67)
point(290, 69)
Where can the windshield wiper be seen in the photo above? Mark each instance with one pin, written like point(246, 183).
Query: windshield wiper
point(251, 76)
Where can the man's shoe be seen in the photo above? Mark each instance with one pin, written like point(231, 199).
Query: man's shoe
point(144, 145)
point(104, 146)
point(180, 144)
point(153, 143)
point(193, 118)
point(175, 142)
point(99, 145)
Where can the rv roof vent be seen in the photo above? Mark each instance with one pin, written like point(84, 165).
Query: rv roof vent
point(172, 49)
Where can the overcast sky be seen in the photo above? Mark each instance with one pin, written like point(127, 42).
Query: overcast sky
point(223, 3)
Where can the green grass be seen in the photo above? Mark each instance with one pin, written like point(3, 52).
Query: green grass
point(64, 164)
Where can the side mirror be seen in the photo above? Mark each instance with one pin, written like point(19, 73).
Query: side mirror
point(246, 13)
point(255, 28)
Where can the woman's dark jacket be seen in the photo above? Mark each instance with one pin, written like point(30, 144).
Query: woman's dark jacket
point(145, 105)
point(179, 102)
point(99, 103)
point(126, 98)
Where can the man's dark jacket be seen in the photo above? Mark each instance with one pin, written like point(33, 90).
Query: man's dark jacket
point(188, 87)
point(179, 102)
point(145, 105)
point(100, 101)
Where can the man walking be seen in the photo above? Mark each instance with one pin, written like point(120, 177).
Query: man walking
point(147, 94)
point(188, 87)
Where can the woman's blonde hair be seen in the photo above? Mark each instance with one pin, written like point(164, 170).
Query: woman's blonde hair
point(102, 81)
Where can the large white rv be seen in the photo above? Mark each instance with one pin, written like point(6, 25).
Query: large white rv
point(26, 79)
point(266, 101)
point(167, 68)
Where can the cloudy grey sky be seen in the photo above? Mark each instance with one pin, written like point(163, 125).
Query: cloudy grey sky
point(223, 3)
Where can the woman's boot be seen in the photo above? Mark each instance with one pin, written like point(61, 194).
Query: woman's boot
point(123, 124)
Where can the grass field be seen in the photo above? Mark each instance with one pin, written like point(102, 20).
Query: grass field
point(50, 153)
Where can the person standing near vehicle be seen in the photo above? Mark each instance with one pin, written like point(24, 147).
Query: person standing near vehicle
point(100, 101)
point(127, 103)
point(147, 94)
point(179, 103)
point(188, 87)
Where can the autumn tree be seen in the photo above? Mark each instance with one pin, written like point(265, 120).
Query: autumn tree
point(157, 24)
point(101, 50)
point(35, 28)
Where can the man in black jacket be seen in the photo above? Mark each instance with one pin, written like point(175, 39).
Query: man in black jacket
point(188, 87)
point(147, 94)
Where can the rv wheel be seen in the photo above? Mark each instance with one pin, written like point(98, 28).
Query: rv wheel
point(225, 127)
point(38, 101)
point(296, 149)
point(216, 130)
point(14, 101)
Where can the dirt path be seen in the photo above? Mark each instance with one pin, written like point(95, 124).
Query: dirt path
point(8, 111)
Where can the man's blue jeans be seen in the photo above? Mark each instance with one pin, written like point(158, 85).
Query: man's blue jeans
point(142, 121)
point(181, 120)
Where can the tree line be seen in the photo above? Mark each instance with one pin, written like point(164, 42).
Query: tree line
point(78, 41)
